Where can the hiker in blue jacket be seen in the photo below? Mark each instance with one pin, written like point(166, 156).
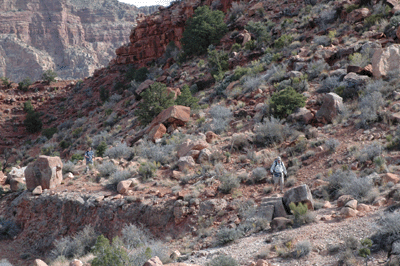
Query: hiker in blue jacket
point(278, 169)
point(89, 158)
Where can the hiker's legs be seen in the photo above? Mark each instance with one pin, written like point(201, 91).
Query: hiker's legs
point(281, 181)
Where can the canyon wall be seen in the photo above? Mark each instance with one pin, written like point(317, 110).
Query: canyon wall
point(72, 37)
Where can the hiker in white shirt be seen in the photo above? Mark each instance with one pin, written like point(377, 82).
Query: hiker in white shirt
point(278, 169)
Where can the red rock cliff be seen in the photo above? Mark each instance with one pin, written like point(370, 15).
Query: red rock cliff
point(149, 40)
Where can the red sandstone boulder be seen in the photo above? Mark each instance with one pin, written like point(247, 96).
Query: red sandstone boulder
point(190, 145)
point(176, 115)
point(358, 15)
point(46, 171)
point(157, 132)
point(332, 105)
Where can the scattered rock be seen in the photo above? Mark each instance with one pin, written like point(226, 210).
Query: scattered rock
point(185, 162)
point(327, 205)
point(17, 184)
point(39, 262)
point(279, 209)
point(212, 206)
point(352, 204)
point(262, 263)
point(153, 262)
point(386, 60)
point(46, 171)
point(211, 136)
point(389, 177)
point(175, 255)
point(302, 115)
point(380, 201)
point(342, 200)
point(37, 191)
point(15, 172)
point(157, 132)
point(348, 212)
point(299, 194)
point(123, 186)
point(76, 262)
point(189, 145)
point(358, 15)
point(363, 207)
point(204, 156)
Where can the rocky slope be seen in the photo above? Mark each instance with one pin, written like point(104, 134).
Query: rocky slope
point(210, 192)
point(71, 37)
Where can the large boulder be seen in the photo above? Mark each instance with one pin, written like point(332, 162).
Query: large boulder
point(332, 105)
point(358, 15)
point(279, 209)
point(386, 60)
point(153, 262)
point(185, 162)
point(211, 206)
point(355, 80)
point(46, 171)
point(299, 194)
point(177, 115)
point(157, 132)
point(266, 211)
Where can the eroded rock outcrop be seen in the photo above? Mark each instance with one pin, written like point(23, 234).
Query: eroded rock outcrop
point(46, 171)
point(69, 36)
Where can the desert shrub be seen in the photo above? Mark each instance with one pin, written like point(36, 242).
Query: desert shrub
point(251, 83)
point(109, 254)
point(227, 235)
point(350, 8)
point(283, 41)
point(33, 122)
point(369, 152)
point(121, 175)
point(49, 76)
point(24, 84)
point(223, 260)
point(228, 183)
point(154, 100)
point(240, 142)
point(76, 246)
point(119, 151)
point(322, 40)
point(358, 59)
point(218, 61)
point(48, 149)
point(77, 157)
point(236, 10)
point(331, 84)
point(240, 72)
point(259, 175)
point(148, 170)
point(161, 153)
point(49, 132)
point(28, 107)
point(291, 181)
point(347, 183)
point(276, 73)
point(104, 93)
point(315, 68)
point(332, 144)
point(271, 132)
point(221, 118)
point(6, 82)
point(101, 148)
point(204, 28)
point(106, 169)
point(286, 101)
point(388, 231)
point(259, 30)
point(8, 229)
point(68, 167)
point(186, 98)
point(141, 74)
point(302, 249)
point(301, 214)
point(369, 105)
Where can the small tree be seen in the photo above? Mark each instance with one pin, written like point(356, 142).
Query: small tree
point(49, 76)
point(101, 149)
point(204, 28)
point(154, 100)
point(141, 74)
point(24, 84)
point(107, 254)
point(32, 122)
point(284, 102)
point(6, 82)
point(186, 98)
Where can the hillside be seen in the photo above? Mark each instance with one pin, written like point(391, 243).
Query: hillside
point(72, 38)
point(186, 122)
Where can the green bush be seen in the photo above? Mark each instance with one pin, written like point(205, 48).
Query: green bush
point(104, 94)
point(130, 73)
point(141, 74)
point(24, 84)
point(284, 102)
point(154, 100)
point(49, 76)
point(228, 183)
point(76, 157)
point(240, 72)
point(148, 169)
point(33, 122)
point(109, 254)
point(49, 132)
point(6, 82)
point(101, 149)
point(218, 61)
point(204, 28)
point(186, 98)
point(283, 41)
point(260, 31)
point(28, 107)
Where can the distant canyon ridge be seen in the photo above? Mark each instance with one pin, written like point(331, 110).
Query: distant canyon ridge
point(71, 37)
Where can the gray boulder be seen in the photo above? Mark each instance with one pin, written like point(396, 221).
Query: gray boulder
point(46, 171)
point(279, 208)
point(332, 105)
point(299, 194)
